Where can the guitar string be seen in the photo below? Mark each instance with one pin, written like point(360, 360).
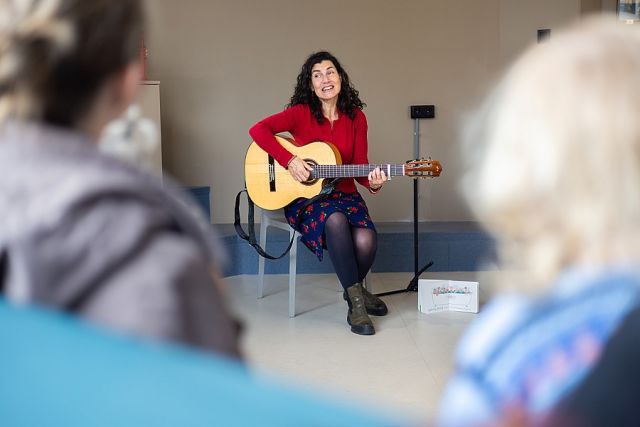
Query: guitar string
point(335, 171)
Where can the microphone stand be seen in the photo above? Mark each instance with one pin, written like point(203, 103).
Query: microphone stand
point(413, 284)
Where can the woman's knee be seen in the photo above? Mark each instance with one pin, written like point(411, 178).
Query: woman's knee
point(336, 221)
point(366, 240)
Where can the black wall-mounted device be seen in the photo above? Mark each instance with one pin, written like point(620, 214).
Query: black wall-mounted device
point(422, 111)
point(544, 35)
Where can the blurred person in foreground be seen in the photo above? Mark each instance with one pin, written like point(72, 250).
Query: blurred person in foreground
point(81, 231)
point(610, 394)
point(557, 181)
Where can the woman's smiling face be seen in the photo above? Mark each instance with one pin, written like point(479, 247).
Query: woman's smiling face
point(325, 80)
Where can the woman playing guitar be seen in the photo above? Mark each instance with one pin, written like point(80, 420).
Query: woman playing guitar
point(326, 107)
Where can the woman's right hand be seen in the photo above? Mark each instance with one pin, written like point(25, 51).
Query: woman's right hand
point(299, 169)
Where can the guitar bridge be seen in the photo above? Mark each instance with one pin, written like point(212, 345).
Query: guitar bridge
point(272, 174)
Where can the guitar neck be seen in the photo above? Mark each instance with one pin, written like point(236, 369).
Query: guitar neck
point(353, 171)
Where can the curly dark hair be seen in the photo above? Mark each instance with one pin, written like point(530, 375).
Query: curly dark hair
point(348, 99)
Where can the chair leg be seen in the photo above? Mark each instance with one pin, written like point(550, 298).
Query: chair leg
point(292, 275)
point(263, 241)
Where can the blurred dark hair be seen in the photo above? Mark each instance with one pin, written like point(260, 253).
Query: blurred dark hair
point(348, 99)
point(56, 54)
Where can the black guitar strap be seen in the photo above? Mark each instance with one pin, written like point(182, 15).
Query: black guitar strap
point(251, 237)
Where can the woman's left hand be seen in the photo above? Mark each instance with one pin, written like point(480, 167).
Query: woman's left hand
point(377, 178)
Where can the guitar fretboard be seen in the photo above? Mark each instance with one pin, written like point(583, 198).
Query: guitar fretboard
point(343, 171)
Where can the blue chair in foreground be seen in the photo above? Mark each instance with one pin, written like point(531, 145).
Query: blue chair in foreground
point(58, 371)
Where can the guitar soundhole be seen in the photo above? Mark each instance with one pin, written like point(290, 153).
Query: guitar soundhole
point(312, 180)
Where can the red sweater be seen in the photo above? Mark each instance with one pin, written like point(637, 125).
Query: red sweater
point(349, 137)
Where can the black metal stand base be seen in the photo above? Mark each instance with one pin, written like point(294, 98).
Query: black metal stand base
point(413, 284)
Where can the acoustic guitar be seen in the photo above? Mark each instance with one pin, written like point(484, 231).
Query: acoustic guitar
point(270, 186)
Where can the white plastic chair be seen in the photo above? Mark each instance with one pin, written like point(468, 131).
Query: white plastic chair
point(277, 219)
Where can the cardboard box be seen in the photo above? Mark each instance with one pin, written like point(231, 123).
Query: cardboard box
point(447, 295)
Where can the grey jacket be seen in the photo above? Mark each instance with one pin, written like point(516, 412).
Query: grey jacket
point(86, 233)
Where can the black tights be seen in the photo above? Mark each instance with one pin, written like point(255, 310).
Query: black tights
point(352, 249)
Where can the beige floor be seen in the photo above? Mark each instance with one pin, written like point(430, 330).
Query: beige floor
point(403, 368)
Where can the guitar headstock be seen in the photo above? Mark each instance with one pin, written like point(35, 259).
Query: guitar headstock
point(422, 168)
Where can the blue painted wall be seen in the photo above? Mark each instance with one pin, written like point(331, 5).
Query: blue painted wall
point(451, 247)
point(202, 196)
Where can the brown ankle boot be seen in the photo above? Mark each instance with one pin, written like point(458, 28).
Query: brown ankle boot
point(357, 316)
point(374, 305)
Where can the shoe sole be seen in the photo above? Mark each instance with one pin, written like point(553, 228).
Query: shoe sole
point(374, 312)
point(366, 331)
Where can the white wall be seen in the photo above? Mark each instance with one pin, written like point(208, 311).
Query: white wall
point(521, 19)
point(224, 64)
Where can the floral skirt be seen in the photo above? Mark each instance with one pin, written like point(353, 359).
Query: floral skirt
point(311, 228)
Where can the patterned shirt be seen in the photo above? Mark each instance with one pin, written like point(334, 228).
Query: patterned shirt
point(529, 353)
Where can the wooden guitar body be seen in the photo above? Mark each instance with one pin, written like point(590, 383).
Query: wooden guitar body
point(271, 186)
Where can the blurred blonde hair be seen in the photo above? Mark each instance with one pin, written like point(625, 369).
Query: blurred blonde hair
point(25, 26)
point(56, 54)
point(557, 171)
